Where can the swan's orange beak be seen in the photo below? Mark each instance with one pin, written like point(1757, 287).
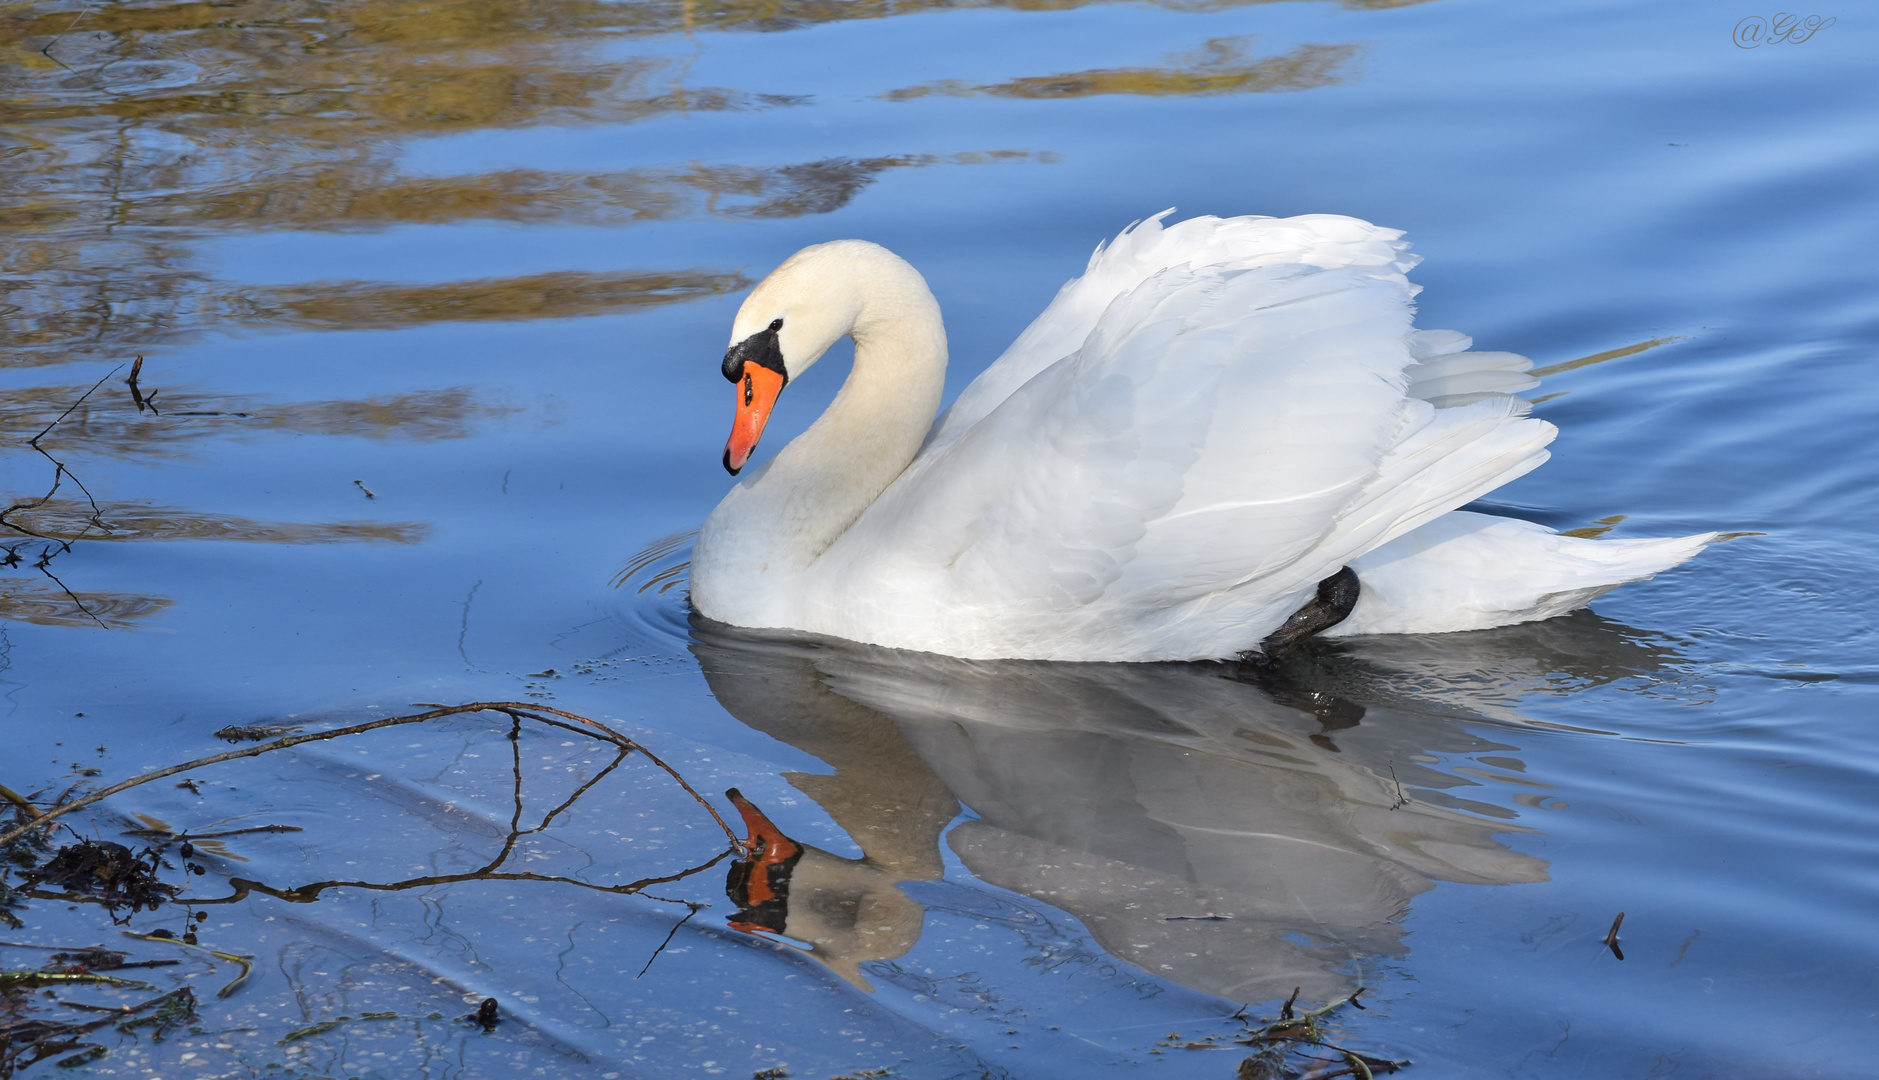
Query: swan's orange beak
point(756, 396)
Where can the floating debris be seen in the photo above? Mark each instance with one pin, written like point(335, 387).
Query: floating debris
point(1288, 1047)
point(108, 871)
point(256, 732)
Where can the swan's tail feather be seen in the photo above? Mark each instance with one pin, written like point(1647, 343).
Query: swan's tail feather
point(1445, 374)
point(1466, 571)
point(1453, 457)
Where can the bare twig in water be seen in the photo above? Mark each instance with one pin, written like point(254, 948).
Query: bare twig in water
point(187, 835)
point(695, 909)
point(18, 800)
point(1687, 942)
point(491, 869)
point(1401, 801)
point(44, 567)
point(360, 484)
point(46, 49)
point(120, 1010)
point(143, 401)
point(59, 475)
point(1285, 1011)
point(245, 962)
point(306, 894)
point(33, 980)
point(1611, 936)
point(1208, 917)
point(515, 710)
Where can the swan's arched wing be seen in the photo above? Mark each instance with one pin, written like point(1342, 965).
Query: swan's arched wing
point(1148, 248)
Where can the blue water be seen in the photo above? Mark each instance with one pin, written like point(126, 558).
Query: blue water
point(480, 260)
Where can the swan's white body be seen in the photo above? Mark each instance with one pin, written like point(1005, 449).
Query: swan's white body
point(1214, 417)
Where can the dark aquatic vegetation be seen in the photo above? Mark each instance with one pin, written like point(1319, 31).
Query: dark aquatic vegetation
point(106, 871)
point(255, 732)
point(29, 1035)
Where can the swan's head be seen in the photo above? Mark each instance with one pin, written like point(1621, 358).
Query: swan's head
point(792, 317)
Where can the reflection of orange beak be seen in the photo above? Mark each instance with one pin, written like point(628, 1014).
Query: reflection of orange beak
point(756, 396)
point(758, 883)
point(766, 843)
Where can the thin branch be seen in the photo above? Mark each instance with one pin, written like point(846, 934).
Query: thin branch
point(46, 49)
point(239, 832)
point(695, 909)
point(45, 569)
point(136, 391)
point(525, 709)
point(244, 961)
point(512, 709)
point(306, 894)
point(18, 800)
point(1401, 801)
point(73, 407)
point(580, 791)
point(59, 473)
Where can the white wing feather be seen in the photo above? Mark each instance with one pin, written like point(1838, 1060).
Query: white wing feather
point(1329, 241)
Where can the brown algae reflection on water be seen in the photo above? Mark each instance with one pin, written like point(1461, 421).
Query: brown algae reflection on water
point(295, 119)
point(38, 531)
point(1219, 67)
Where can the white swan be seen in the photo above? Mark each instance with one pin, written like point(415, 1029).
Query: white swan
point(1215, 417)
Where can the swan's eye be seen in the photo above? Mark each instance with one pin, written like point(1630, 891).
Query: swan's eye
point(776, 325)
point(747, 391)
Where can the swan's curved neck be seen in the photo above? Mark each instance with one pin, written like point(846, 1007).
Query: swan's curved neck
point(788, 514)
point(868, 435)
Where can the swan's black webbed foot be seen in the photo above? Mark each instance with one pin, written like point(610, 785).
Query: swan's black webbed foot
point(1337, 595)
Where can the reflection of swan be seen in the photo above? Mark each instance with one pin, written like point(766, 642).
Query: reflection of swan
point(850, 910)
point(1125, 794)
point(1209, 423)
point(847, 910)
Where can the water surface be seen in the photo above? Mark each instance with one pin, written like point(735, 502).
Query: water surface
point(430, 299)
